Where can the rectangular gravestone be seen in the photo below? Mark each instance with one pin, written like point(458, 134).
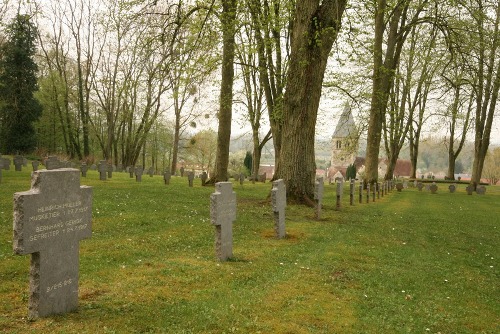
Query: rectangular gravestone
point(49, 222)
point(481, 190)
point(367, 193)
point(52, 162)
point(222, 215)
point(5, 163)
point(167, 176)
point(452, 188)
point(278, 197)
point(319, 187)
point(103, 168)
point(131, 171)
point(35, 165)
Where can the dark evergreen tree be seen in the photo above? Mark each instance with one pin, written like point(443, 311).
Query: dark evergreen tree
point(248, 161)
point(18, 107)
point(350, 172)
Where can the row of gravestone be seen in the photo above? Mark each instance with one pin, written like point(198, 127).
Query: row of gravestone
point(56, 213)
point(433, 187)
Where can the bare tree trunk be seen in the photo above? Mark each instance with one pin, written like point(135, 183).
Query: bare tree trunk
point(226, 93)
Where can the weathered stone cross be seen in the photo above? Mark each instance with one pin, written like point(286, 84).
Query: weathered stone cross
point(49, 221)
point(222, 215)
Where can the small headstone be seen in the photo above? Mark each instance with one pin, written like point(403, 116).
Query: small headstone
point(222, 215)
point(182, 171)
point(131, 170)
point(351, 192)
point(367, 193)
point(420, 185)
point(49, 221)
point(278, 195)
point(52, 162)
point(151, 171)
point(428, 187)
point(319, 187)
point(399, 186)
point(433, 188)
point(262, 178)
point(93, 167)
point(481, 190)
point(469, 189)
point(452, 188)
point(83, 169)
point(103, 168)
point(167, 176)
point(339, 190)
point(25, 162)
point(190, 178)
point(18, 163)
point(138, 170)
point(5, 163)
point(35, 165)
point(242, 178)
point(204, 177)
point(361, 192)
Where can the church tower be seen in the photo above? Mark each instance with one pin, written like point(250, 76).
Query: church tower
point(344, 142)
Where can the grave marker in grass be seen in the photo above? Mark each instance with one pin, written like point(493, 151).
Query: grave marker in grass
point(278, 195)
point(49, 222)
point(103, 168)
point(319, 187)
point(166, 177)
point(222, 215)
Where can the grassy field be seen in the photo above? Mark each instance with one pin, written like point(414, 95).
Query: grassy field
point(411, 262)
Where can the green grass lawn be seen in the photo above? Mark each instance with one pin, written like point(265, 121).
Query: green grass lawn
point(411, 262)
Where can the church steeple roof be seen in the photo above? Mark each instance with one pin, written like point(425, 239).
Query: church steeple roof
point(345, 126)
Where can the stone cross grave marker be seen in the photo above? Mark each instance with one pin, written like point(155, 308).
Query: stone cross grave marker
point(131, 171)
point(103, 168)
point(110, 170)
point(481, 190)
point(242, 178)
point(83, 169)
point(399, 186)
point(167, 176)
point(469, 189)
point(420, 185)
point(433, 188)
point(278, 195)
point(138, 173)
point(319, 187)
point(367, 193)
point(351, 192)
point(204, 177)
point(340, 186)
point(360, 191)
point(428, 187)
point(190, 178)
point(222, 215)
point(18, 163)
point(35, 165)
point(452, 188)
point(374, 191)
point(49, 221)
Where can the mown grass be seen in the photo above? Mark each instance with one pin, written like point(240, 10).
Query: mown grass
point(411, 262)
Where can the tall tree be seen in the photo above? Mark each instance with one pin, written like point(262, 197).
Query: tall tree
point(315, 28)
point(228, 22)
point(18, 81)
